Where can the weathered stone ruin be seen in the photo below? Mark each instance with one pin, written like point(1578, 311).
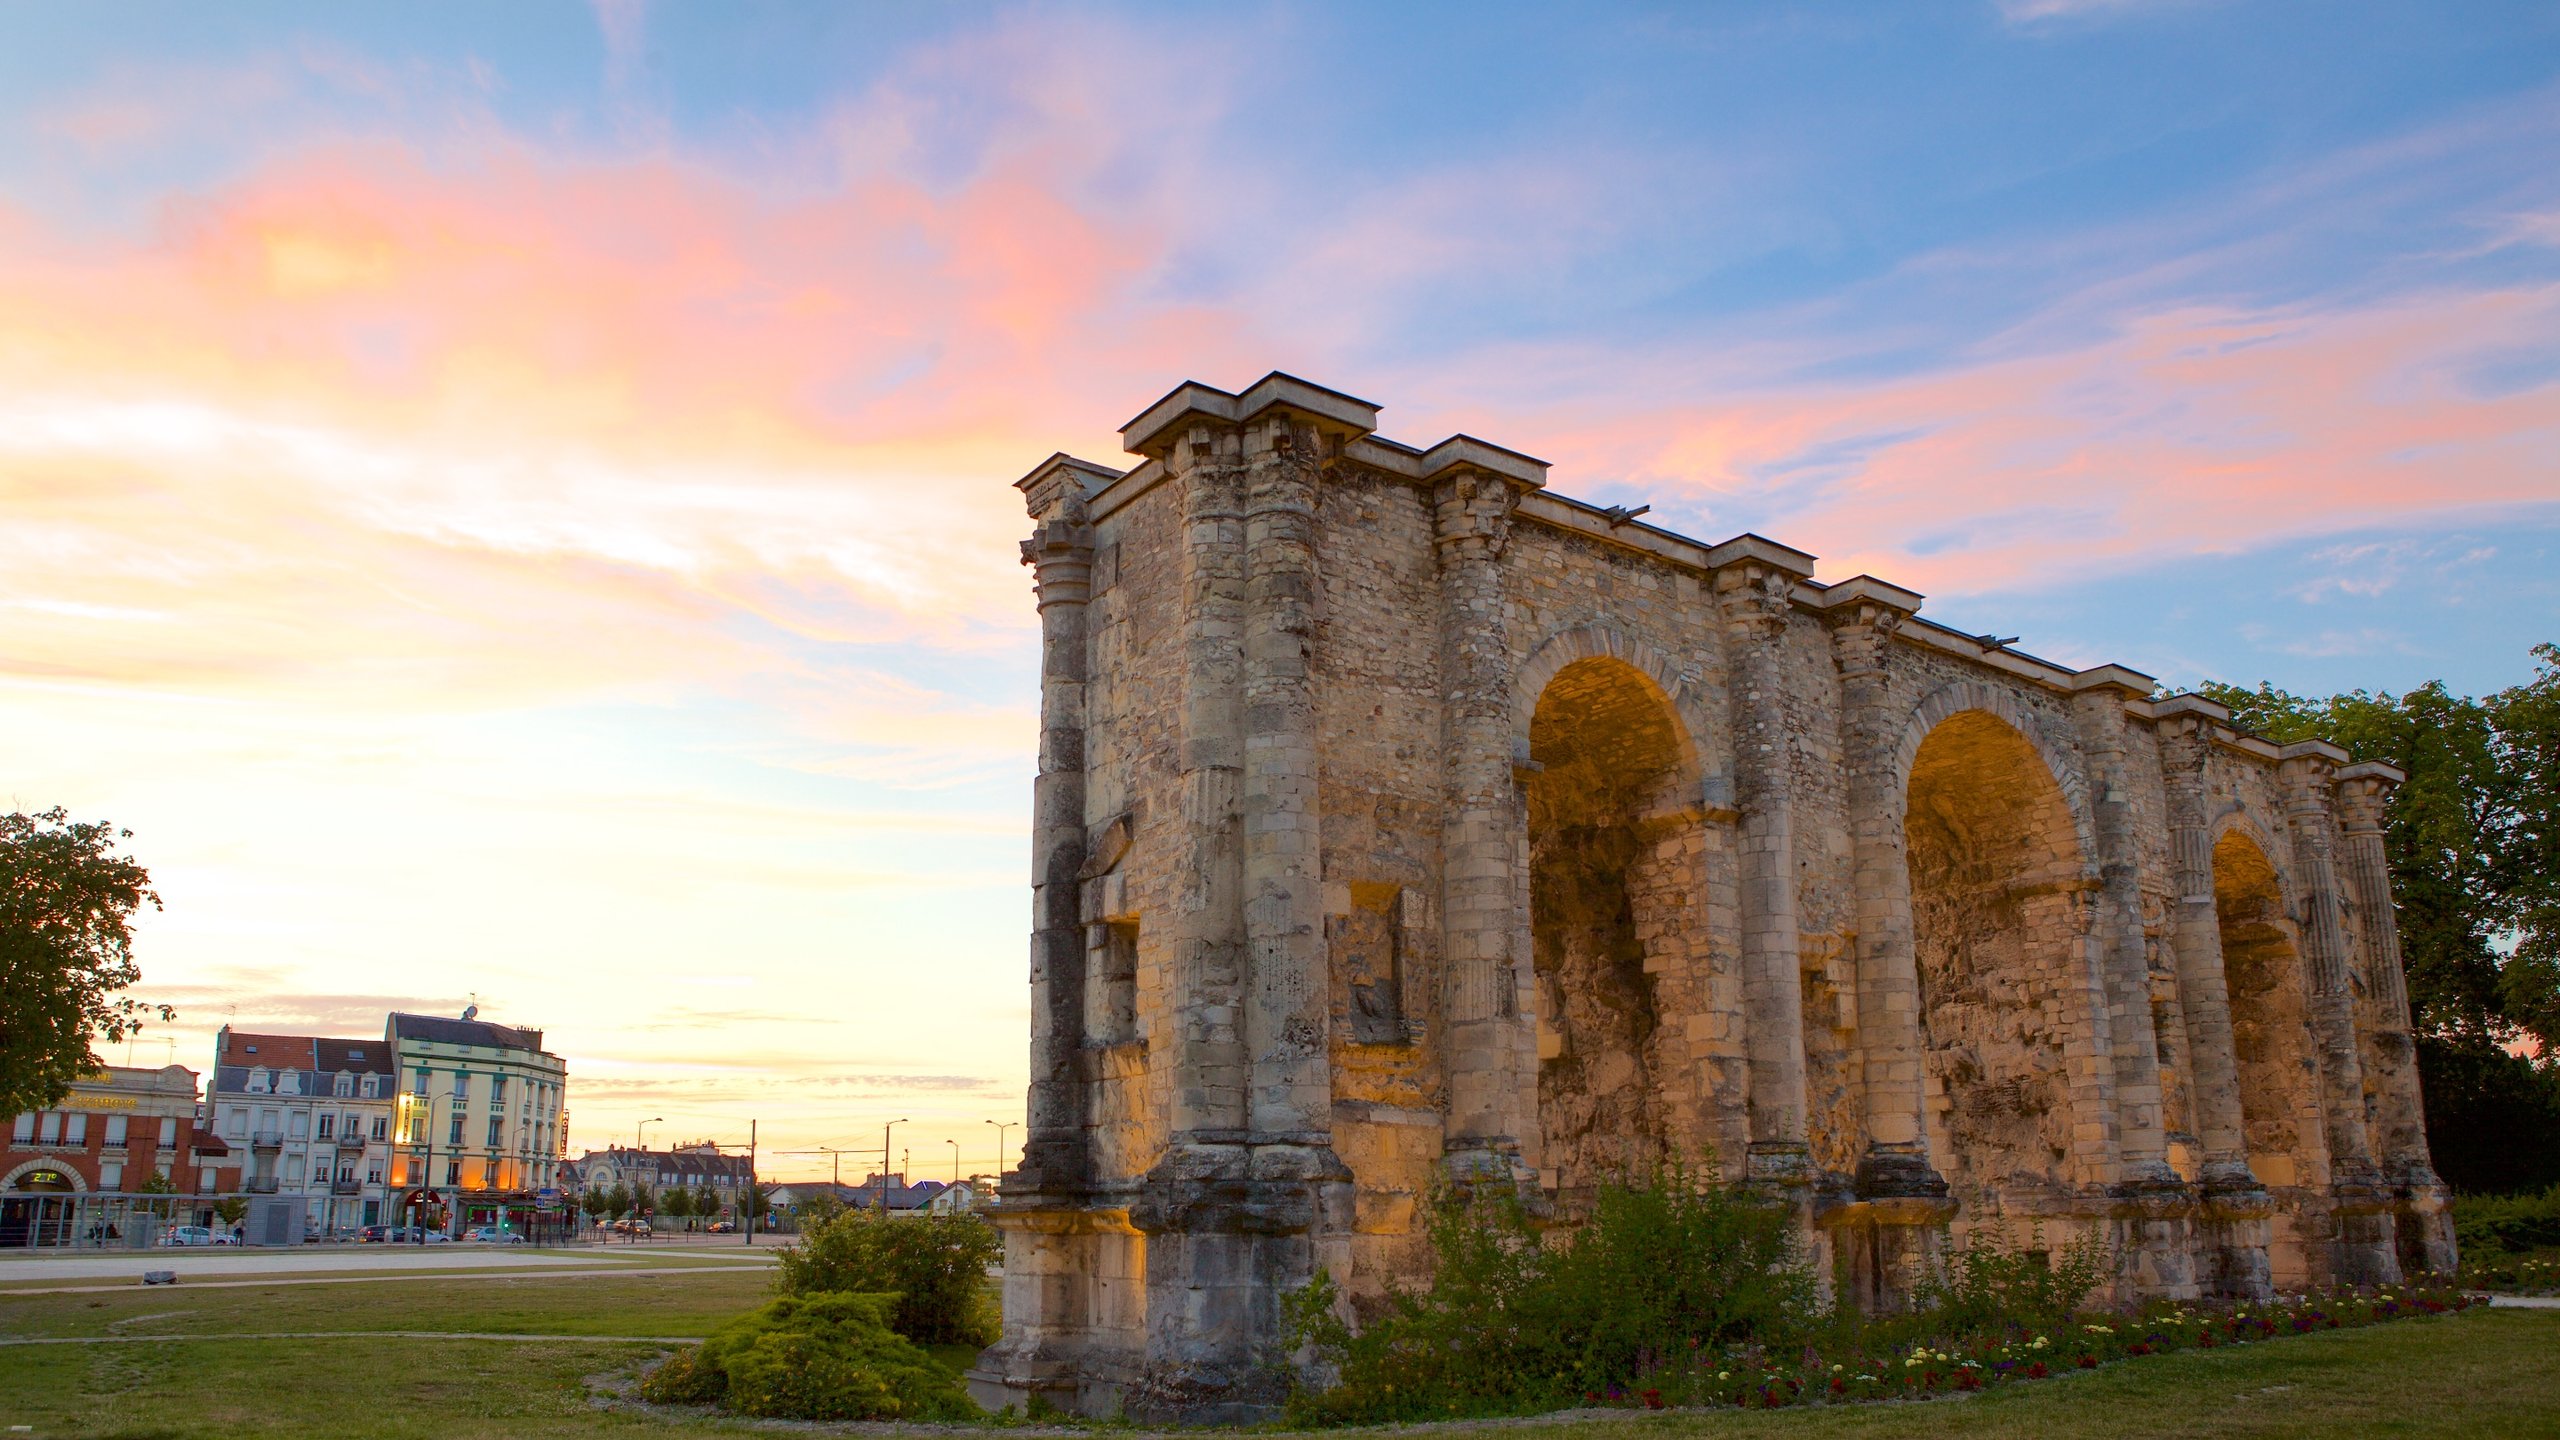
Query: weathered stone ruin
point(1401, 824)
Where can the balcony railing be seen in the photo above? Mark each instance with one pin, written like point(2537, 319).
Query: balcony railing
point(346, 1185)
point(260, 1185)
point(267, 1140)
point(351, 1142)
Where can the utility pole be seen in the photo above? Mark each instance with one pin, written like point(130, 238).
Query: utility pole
point(885, 1153)
point(750, 1207)
point(955, 1162)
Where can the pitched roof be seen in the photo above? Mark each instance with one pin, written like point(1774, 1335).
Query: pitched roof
point(438, 1030)
point(355, 1056)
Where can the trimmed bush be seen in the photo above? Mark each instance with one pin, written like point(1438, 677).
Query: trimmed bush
point(936, 1265)
point(816, 1357)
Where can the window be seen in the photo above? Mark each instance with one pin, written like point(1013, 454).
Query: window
point(258, 1080)
point(373, 1174)
point(453, 1172)
point(372, 1087)
point(381, 1127)
point(51, 1131)
point(24, 1132)
point(418, 1127)
point(235, 1122)
point(494, 1123)
point(328, 1127)
point(299, 1123)
point(293, 1169)
point(419, 1086)
point(497, 1090)
point(204, 1179)
point(111, 1175)
point(75, 1130)
point(269, 1122)
point(168, 1131)
point(115, 1131)
point(453, 1134)
point(461, 1087)
point(346, 1084)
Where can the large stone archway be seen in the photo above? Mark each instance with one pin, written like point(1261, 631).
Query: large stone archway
point(2272, 1048)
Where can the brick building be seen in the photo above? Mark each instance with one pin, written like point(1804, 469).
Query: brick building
point(120, 1132)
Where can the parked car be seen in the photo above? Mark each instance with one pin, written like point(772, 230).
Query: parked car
point(188, 1235)
point(374, 1234)
point(630, 1227)
point(492, 1235)
point(724, 1227)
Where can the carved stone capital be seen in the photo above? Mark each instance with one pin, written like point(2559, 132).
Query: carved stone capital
point(1861, 636)
point(1471, 513)
point(1755, 599)
point(2363, 801)
point(1060, 554)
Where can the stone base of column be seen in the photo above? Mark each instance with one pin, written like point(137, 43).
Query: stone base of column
point(1231, 1228)
point(1471, 1166)
point(2424, 1227)
point(2156, 1232)
point(1074, 1307)
point(2364, 1248)
point(2234, 1227)
point(1884, 1250)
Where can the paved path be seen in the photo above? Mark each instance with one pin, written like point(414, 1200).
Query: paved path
point(275, 1280)
point(352, 1335)
point(429, 1259)
point(2526, 1302)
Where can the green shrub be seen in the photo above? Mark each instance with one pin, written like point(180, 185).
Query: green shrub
point(935, 1264)
point(816, 1357)
point(2508, 1224)
point(1663, 1269)
point(1991, 1282)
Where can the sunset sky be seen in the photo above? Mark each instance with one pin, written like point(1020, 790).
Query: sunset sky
point(513, 500)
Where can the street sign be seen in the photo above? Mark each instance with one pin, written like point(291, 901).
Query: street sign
point(546, 1199)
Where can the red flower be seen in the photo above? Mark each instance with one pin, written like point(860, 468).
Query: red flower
point(1653, 1399)
point(2088, 1362)
point(2036, 1371)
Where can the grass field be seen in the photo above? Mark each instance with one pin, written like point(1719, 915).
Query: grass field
point(2483, 1374)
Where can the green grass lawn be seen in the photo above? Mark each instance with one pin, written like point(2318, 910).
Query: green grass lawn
point(2478, 1374)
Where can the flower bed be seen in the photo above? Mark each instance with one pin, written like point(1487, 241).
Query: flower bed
point(2513, 1274)
point(1755, 1379)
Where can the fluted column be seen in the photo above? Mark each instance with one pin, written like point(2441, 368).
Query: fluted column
point(1208, 1100)
point(2204, 993)
point(1756, 602)
point(1481, 1011)
point(1896, 1161)
point(1060, 552)
point(2141, 1140)
point(2424, 1223)
point(1289, 1015)
point(2365, 1248)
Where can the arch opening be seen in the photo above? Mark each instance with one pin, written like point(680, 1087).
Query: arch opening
point(2000, 916)
point(1607, 895)
point(2270, 1018)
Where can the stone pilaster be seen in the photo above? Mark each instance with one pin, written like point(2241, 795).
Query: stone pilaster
point(2425, 1225)
point(1483, 1016)
point(2364, 1252)
point(1888, 1238)
point(2236, 1206)
point(2152, 1210)
point(1060, 552)
point(1755, 602)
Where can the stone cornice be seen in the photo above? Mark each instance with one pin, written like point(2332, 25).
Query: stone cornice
point(1155, 427)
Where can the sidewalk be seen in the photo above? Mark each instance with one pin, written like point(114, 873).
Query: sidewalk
point(214, 1263)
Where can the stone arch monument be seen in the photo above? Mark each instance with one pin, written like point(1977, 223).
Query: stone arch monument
point(1402, 823)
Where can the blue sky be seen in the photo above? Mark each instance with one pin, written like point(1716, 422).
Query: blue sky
point(539, 472)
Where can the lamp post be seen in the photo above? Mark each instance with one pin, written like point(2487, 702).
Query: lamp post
point(1001, 1127)
point(955, 1162)
point(885, 1152)
point(642, 1129)
point(410, 1105)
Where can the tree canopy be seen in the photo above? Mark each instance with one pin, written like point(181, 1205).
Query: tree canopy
point(67, 902)
point(2474, 841)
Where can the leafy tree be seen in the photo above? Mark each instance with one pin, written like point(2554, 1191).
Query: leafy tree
point(707, 1204)
point(617, 1201)
point(2474, 844)
point(67, 902)
point(597, 1203)
point(677, 1204)
point(644, 1201)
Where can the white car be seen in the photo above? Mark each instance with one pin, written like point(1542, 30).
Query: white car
point(187, 1235)
point(492, 1235)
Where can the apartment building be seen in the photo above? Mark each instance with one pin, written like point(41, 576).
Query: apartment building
point(310, 1119)
point(480, 1119)
point(121, 1131)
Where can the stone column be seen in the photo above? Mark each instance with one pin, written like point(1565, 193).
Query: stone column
point(2151, 1210)
point(1756, 602)
point(2364, 1251)
point(1060, 553)
point(1482, 1015)
point(2236, 1206)
point(1889, 1236)
point(2425, 1223)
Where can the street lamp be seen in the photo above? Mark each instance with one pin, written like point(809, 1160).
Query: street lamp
point(1001, 1127)
point(642, 1129)
point(410, 1104)
point(884, 1164)
point(955, 1162)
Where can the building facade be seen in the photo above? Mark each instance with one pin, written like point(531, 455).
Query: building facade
point(697, 1168)
point(310, 1120)
point(121, 1132)
point(1400, 823)
point(481, 1119)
